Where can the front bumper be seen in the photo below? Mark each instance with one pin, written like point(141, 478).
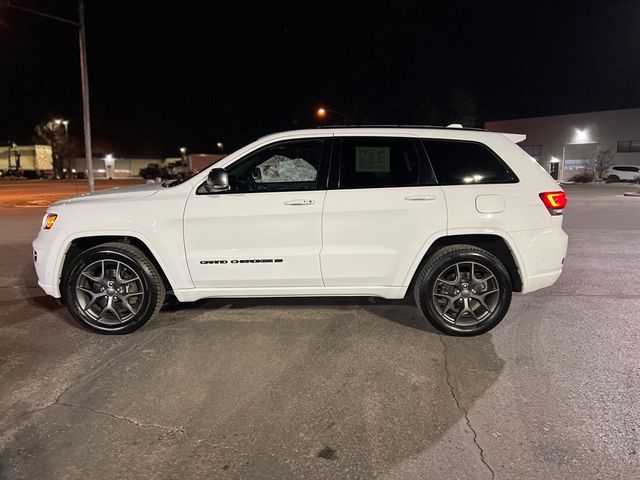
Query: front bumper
point(47, 251)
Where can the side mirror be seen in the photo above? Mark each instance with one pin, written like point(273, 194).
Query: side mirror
point(218, 180)
point(257, 174)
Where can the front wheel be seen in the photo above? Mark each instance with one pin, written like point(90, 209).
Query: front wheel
point(463, 290)
point(113, 288)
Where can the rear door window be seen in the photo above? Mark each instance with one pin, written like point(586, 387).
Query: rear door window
point(376, 162)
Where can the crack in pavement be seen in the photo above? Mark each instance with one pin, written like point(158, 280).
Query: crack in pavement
point(167, 430)
point(92, 374)
point(137, 423)
point(133, 421)
point(466, 416)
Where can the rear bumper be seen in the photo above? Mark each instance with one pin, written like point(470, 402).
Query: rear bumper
point(543, 253)
point(542, 280)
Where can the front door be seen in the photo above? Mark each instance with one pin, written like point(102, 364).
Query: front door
point(266, 230)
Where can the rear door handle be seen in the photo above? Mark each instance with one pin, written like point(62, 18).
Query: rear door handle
point(300, 201)
point(423, 198)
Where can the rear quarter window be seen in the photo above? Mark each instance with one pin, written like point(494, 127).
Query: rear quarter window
point(464, 163)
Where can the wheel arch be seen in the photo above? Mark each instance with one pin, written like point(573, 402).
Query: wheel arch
point(80, 244)
point(493, 243)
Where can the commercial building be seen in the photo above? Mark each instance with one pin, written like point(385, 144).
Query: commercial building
point(38, 158)
point(114, 166)
point(570, 143)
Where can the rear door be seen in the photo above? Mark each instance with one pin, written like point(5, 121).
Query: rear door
point(382, 208)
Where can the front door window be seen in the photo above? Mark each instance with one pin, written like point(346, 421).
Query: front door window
point(286, 166)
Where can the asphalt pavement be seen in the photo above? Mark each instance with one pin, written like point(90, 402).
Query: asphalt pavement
point(332, 388)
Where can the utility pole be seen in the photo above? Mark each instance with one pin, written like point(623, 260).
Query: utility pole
point(85, 98)
point(83, 72)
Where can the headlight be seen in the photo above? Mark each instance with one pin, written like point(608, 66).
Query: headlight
point(48, 221)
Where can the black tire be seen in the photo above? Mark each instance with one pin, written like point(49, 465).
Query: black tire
point(126, 277)
point(613, 179)
point(455, 290)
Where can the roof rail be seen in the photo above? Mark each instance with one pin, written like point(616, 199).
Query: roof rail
point(427, 127)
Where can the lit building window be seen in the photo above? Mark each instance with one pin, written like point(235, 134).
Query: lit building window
point(625, 146)
point(533, 150)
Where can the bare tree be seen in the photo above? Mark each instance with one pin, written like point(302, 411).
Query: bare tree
point(55, 134)
point(463, 108)
point(603, 159)
point(599, 163)
point(429, 113)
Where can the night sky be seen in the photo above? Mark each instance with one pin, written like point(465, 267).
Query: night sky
point(168, 74)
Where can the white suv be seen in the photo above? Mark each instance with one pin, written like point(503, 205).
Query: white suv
point(459, 217)
point(616, 173)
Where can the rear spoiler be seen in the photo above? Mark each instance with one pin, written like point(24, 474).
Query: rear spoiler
point(515, 137)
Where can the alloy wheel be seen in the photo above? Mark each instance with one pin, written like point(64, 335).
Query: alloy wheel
point(109, 293)
point(466, 293)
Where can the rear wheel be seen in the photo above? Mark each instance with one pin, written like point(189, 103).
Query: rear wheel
point(613, 179)
point(113, 288)
point(463, 290)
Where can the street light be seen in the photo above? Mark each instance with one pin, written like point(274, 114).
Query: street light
point(183, 156)
point(109, 165)
point(16, 155)
point(220, 146)
point(66, 142)
point(84, 74)
point(65, 123)
point(582, 135)
point(323, 112)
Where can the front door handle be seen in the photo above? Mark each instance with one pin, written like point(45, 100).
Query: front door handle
point(423, 198)
point(300, 201)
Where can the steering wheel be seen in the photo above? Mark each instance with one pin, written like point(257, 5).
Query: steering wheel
point(246, 183)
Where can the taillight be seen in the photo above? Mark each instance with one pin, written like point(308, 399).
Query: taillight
point(554, 201)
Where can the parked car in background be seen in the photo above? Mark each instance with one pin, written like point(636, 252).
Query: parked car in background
point(622, 173)
point(151, 171)
point(181, 169)
point(192, 164)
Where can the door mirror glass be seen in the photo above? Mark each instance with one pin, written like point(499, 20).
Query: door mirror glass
point(217, 181)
